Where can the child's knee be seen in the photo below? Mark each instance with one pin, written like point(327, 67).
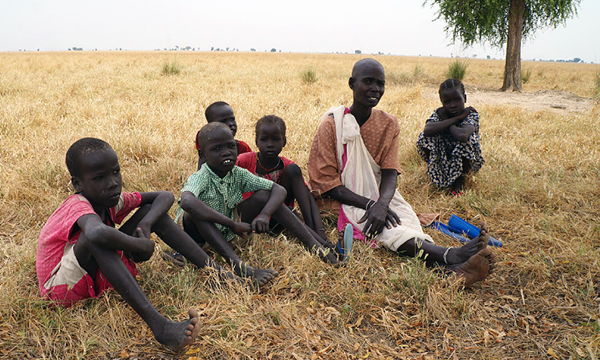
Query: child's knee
point(261, 197)
point(293, 171)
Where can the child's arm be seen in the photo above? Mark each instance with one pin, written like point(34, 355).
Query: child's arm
point(110, 238)
point(161, 202)
point(462, 133)
point(198, 210)
point(261, 222)
point(433, 128)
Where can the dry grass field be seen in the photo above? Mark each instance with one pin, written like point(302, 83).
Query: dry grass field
point(539, 192)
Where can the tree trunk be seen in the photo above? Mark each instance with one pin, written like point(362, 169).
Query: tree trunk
point(512, 66)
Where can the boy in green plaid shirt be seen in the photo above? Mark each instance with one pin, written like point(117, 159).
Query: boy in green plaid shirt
point(212, 209)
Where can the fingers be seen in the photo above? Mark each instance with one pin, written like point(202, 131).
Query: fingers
point(395, 216)
point(140, 233)
point(259, 226)
point(372, 227)
point(362, 219)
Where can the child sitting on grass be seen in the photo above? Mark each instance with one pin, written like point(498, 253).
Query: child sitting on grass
point(270, 140)
point(80, 254)
point(220, 111)
point(212, 209)
point(450, 141)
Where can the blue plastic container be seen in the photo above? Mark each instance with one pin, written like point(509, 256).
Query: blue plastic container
point(461, 226)
point(443, 228)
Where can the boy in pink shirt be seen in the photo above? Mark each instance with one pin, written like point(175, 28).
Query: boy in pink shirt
point(80, 254)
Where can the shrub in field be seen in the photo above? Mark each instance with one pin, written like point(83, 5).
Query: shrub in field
point(457, 69)
point(525, 75)
point(540, 73)
point(309, 76)
point(172, 68)
point(418, 70)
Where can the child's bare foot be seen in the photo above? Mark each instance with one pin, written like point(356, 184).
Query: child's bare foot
point(475, 269)
point(177, 335)
point(460, 254)
point(328, 255)
point(259, 276)
point(458, 186)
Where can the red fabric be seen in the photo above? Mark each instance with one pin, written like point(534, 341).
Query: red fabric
point(242, 146)
point(58, 232)
point(248, 162)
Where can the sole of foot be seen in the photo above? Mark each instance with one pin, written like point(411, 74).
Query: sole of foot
point(477, 268)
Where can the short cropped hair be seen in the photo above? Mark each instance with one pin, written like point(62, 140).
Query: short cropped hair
point(212, 107)
point(82, 147)
point(452, 84)
point(203, 134)
point(270, 119)
point(365, 62)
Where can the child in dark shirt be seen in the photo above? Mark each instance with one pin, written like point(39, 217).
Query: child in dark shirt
point(270, 140)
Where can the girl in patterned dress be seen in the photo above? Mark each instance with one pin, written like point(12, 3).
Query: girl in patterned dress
point(450, 141)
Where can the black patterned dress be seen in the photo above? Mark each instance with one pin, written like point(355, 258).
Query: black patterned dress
point(444, 163)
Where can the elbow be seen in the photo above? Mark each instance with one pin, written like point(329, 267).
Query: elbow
point(279, 190)
point(464, 138)
point(186, 201)
point(167, 197)
point(97, 234)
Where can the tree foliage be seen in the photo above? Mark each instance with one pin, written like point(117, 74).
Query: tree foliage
point(476, 21)
point(500, 22)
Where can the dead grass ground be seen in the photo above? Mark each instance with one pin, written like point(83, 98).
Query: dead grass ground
point(539, 192)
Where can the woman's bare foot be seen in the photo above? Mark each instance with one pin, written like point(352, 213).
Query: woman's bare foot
point(475, 269)
point(492, 260)
point(177, 335)
point(460, 254)
point(259, 276)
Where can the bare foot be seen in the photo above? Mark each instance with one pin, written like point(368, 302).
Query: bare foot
point(460, 254)
point(458, 186)
point(221, 277)
point(475, 269)
point(328, 255)
point(259, 276)
point(492, 260)
point(177, 335)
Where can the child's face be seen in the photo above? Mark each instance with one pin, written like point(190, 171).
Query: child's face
point(453, 101)
point(100, 178)
point(220, 151)
point(368, 85)
point(269, 140)
point(224, 114)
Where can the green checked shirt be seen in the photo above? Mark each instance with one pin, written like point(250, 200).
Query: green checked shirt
point(224, 194)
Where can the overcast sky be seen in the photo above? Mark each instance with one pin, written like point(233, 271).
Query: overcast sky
point(399, 27)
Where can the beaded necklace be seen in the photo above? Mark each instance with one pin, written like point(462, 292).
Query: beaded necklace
point(268, 170)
